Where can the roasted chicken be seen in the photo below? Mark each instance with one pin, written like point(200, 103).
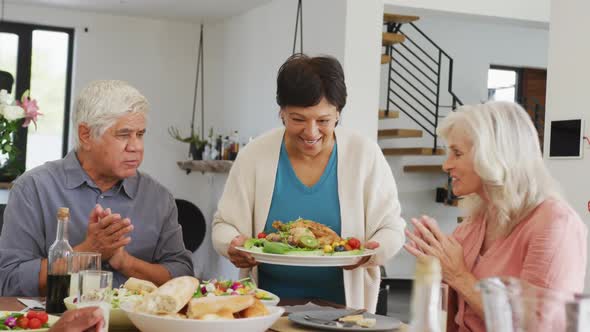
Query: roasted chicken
point(303, 227)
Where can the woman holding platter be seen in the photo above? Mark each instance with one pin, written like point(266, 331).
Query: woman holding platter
point(312, 169)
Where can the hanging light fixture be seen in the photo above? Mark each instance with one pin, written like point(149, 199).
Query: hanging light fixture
point(199, 75)
point(196, 142)
point(299, 24)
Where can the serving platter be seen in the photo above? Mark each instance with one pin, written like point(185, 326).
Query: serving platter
point(303, 259)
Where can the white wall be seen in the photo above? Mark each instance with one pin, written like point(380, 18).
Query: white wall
point(567, 91)
point(530, 10)
point(244, 53)
point(362, 54)
point(474, 44)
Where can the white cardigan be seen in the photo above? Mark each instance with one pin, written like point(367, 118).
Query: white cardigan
point(369, 206)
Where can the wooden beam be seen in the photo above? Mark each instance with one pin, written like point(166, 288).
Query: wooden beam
point(400, 19)
point(390, 38)
point(399, 133)
point(385, 59)
point(412, 152)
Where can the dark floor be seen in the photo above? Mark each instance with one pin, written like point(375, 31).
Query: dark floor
point(398, 300)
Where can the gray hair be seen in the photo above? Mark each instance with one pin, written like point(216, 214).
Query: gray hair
point(508, 159)
point(101, 103)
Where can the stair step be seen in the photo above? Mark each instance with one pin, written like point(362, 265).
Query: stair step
point(400, 19)
point(390, 115)
point(412, 152)
point(390, 38)
point(423, 169)
point(385, 59)
point(399, 133)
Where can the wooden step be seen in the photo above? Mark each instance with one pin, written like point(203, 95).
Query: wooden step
point(390, 38)
point(400, 19)
point(399, 133)
point(423, 169)
point(390, 115)
point(412, 152)
point(385, 59)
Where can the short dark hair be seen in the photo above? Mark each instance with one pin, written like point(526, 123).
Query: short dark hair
point(303, 81)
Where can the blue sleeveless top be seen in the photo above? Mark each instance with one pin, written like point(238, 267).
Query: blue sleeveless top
point(292, 199)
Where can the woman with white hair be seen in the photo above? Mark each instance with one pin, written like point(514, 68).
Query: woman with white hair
point(518, 225)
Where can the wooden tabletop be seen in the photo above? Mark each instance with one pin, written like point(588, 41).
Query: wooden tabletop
point(12, 304)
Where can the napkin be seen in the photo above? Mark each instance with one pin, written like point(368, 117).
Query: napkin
point(304, 307)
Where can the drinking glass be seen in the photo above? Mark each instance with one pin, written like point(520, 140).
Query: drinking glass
point(96, 291)
point(82, 261)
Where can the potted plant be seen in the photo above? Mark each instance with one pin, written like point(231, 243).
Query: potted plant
point(196, 144)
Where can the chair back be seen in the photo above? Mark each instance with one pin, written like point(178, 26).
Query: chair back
point(193, 224)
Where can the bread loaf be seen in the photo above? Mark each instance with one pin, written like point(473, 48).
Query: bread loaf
point(139, 285)
point(198, 308)
point(170, 297)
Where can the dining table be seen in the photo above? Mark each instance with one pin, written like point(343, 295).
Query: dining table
point(12, 304)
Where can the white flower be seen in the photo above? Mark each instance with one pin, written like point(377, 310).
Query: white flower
point(12, 113)
point(5, 98)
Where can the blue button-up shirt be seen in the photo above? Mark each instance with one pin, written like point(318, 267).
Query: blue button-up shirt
point(30, 221)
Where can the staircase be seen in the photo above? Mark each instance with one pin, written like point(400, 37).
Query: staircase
point(418, 70)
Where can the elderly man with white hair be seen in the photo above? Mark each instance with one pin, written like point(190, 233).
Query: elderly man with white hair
point(137, 231)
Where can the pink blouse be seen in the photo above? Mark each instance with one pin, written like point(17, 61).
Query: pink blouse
point(547, 249)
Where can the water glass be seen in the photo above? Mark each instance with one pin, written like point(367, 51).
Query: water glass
point(82, 261)
point(96, 291)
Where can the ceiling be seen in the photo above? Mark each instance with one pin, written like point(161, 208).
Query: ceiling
point(184, 10)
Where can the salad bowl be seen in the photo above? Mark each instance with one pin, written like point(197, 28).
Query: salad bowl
point(154, 323)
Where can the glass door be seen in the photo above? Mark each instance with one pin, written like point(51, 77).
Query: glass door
point(39, 58)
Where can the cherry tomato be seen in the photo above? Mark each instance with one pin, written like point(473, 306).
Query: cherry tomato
point(31, 314)
point(43, 317)
point(261, 235)
point(34, 323)
point(354, 243)
point(23, 322)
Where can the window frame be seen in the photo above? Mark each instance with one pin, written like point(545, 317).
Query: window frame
point(518, 83)
point(24, 31)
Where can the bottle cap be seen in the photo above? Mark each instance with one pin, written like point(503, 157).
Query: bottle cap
point(63, 213)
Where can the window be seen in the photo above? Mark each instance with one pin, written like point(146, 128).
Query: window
point(503, 83)
point(40, 60)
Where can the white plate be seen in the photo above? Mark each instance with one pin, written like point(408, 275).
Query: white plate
point(383, 323)
point(272, 302)
point(307, 260)
point(153, 323)
point(117, 319)
point(51, 319)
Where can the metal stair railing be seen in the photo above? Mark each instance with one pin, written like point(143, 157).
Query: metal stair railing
point(417, 90)
point(425, 112)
